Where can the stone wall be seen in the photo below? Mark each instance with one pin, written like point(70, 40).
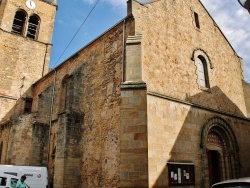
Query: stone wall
point(177, 137)
point(40, 140)
point(16, 136)
point(87, 85)
point(133, 136)
point(44, 106)
point(5, 141)
point(24, 141)
point(20, 68)
point(247, 97)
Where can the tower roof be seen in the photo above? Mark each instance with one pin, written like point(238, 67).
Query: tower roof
point(53, 2)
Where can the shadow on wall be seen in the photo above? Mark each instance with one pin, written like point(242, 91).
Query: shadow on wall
point(206, 141)
point(246, 87)
point(22, 128)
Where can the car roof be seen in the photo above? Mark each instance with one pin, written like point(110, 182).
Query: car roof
point(244, 180)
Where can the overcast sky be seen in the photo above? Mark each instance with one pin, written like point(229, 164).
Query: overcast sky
point(233, 20)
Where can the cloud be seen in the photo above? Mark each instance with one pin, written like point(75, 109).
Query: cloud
point(234, 22)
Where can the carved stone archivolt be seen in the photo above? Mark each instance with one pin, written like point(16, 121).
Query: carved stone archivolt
point(218, 136)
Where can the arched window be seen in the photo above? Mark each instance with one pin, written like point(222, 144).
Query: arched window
point(19, 22)
point(202, 71)
point(32, 31)
point(203, 68)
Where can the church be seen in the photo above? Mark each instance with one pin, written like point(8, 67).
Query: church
point(158, 100)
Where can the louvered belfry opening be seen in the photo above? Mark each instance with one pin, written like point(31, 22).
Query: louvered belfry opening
point(33, 25)
point(19, 22)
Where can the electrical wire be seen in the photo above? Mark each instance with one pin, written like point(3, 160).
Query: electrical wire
point(76, 33)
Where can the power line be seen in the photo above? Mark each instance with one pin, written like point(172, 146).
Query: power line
point(76, 33)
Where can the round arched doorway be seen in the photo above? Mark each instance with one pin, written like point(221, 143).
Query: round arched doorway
point(220, 159)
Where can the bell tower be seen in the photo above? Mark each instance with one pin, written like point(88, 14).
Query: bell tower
point(26, 28)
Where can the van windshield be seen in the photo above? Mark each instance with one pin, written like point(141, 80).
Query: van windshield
point(233, 185)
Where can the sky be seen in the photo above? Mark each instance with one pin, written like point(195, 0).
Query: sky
point(78, 22)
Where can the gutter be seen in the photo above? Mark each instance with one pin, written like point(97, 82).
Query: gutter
point(123, 50)
point(51, 113)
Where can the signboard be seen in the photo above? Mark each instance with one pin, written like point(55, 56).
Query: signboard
point(181, 173)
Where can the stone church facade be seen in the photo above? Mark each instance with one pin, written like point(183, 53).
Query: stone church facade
point(158, 100)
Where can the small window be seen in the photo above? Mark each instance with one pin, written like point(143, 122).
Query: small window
point(28, 105)
point(19, 22)
point(196, 19)
point(33, 25)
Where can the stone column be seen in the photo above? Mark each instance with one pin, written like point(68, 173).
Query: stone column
point(133, 131)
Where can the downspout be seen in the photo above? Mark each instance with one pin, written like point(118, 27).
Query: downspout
point(51, 114)
point(44, 60)
point(123, 50)
point(7, 147)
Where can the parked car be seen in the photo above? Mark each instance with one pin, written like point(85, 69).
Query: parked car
point(233, 183)
point(8, 181)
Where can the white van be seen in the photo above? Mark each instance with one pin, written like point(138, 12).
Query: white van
point(8, 181)
point(36, 177)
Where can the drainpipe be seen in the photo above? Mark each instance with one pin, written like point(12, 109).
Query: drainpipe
point(44, 60)
point(7, 147)
point(51, 113)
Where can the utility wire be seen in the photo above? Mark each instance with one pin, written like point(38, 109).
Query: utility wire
point(76, 33)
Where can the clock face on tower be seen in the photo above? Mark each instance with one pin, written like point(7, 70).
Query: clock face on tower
point(30, 4)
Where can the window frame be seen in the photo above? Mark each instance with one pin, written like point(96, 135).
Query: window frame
point(30, 25)
point(197, 20)
point(15, 27)
point(207, 64)
point(28, 105)
point(202, 74)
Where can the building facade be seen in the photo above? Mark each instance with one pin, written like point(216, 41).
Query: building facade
point(159, 100)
